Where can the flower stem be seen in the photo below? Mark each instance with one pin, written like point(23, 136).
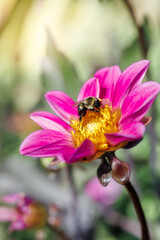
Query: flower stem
point(151, 128)
point(141, 37)
point(71, 182)
point(136, 202)
point(59, 232)
point(74, 204)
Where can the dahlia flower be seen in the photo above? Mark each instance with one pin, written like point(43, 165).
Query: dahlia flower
point(22, 212)
point(119, 120)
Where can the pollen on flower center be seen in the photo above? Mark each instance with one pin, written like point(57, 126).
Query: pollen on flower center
point(94, 126)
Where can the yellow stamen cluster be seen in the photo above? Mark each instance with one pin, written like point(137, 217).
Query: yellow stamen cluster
point(36, 216)
point(94, 125)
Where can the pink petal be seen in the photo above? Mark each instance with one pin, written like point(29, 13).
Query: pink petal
point(146, 120)
point(8, 214)
point(130, 78)
point(89, 89)
point(86, 150)
point(66, 153)
point(12, 198)
point(62, 105)
point(47, 120)
point(103, 195)
point(17, 225)
point(130, 132)
point(44, 143)
point(138, 102)
point(24, 203)
point(108, 78)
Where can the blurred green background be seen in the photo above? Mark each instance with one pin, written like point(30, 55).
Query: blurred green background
point(57, 45)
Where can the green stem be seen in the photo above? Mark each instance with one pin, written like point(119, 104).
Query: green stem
point(136, 202)
point(59, 232)
point(141, 37)
point(74, 204)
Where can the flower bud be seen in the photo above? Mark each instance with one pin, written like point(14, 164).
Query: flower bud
point(120, 171)
point(104, 173)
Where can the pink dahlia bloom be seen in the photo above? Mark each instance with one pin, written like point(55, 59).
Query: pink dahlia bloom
point(118, 121)
point(22, 212)
point(98, 193)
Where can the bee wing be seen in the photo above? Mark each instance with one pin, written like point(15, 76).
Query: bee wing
point(76, 104)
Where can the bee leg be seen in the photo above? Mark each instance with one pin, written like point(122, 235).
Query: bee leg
point(80, 116)
point(94, 110)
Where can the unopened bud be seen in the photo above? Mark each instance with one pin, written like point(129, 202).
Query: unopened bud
point(120, 171)
point(104, 173)
point(105, 179)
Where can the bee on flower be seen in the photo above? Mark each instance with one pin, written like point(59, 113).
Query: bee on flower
point(87, 130)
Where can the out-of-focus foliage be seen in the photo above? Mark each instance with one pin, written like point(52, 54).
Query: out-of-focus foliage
point(48, 45)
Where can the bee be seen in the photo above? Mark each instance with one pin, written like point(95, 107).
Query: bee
point(88, 104)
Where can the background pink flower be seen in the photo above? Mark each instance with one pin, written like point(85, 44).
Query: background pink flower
point(103, 195)
point(23, 212)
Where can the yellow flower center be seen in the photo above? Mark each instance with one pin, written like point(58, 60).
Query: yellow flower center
point(36, 216)
point(94, 126)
